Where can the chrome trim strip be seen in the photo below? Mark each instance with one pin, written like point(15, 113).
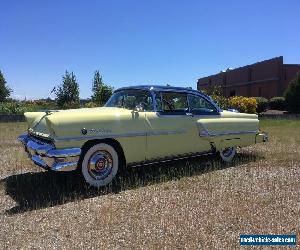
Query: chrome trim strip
point(169, 132)
point(205, 133)
point(79, 138)
point(134, 134)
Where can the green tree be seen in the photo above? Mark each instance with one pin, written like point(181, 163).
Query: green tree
point(292, 95)
point(4, 89)
point(101, 91)
point(67, 94)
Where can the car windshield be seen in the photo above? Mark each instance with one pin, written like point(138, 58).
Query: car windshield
point(131, 99)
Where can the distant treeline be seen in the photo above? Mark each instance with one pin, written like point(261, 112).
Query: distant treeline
point(67, 95)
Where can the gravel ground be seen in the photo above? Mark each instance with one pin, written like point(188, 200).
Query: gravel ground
point(195, 204)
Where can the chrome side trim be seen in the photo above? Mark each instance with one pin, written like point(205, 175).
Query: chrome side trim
point(169, 132)
point(79, 138)
point(205, 133)
point(134, 134)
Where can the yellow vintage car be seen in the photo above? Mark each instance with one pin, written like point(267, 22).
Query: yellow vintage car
point(138, 125)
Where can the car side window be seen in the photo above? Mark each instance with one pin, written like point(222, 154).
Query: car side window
point(200, 106)
point(172, 103)
point(130, 99)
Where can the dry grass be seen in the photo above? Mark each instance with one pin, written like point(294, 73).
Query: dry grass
point(192, 204)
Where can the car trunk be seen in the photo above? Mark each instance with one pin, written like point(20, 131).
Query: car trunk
point(233, 129)
point(229, 123)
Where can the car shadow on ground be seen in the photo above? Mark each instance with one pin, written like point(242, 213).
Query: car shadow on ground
point(39, 190)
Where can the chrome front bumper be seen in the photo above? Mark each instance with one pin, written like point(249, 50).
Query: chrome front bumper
point(45, 155)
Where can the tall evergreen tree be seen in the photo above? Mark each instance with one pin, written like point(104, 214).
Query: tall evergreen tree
point(67, 94)
point(97, 84)
point(292, 95)
point(101, 91)
point(4, 89)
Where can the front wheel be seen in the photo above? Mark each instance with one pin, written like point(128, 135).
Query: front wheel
point(100, 165)
point(227, 154)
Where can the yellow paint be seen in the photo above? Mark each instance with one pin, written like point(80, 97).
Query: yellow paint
point(144, 135)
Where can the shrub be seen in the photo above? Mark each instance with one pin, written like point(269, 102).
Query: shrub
point(292, 95)
point(221, 101)
point(277, 103)
point(262, 104)
point(90, 105)
point(16, 107)
point(243, 104)
point(70, 105)
point(11, 108)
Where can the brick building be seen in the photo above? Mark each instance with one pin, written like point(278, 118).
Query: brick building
point(268, 78)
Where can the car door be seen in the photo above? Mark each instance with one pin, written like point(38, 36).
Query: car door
point(130, 126)
point(170, 131)
point(201, 110)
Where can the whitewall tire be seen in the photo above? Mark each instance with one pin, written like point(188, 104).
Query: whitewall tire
point(227, 154)
point(100, 165)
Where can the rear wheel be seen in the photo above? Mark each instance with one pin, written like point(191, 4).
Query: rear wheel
point(227, 154)
point(100, 164)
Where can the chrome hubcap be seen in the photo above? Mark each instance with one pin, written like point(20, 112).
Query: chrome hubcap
point(227, 152)
point(100, 165)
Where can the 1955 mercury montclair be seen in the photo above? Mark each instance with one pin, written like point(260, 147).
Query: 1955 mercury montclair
point(138, 125)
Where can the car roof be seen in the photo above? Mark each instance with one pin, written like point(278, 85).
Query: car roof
point(162, 88)
point(169, 88)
